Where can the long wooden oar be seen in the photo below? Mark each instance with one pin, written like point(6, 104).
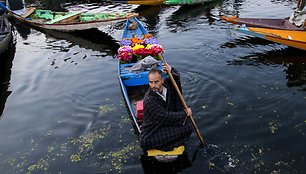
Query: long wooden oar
point(183, 101)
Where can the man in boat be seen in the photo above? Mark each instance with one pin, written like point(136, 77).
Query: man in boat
point(16, 6)
point(164, 124)
point(298, 17)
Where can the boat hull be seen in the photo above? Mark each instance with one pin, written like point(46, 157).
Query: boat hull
point(282, 24)
point(65, 26)
point(68, 27)
point(275, 30)
point(296, 39)
point(134, 86)
point(130, 105)
point(6, 36)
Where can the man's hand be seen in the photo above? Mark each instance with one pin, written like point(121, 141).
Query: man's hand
point(166, 68)
point(188, 112)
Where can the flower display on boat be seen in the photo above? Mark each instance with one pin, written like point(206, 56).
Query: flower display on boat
point(156, 49)
point(126, 42)
point(138, 46)
point(125, 54)
point(136, 41)
point(150, 40)
point(136, 49)
point(147, 36)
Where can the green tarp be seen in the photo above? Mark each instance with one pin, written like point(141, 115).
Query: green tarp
point(99, 16)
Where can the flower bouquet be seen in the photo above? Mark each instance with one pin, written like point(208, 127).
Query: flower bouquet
point(125, 54)
point(135, 49)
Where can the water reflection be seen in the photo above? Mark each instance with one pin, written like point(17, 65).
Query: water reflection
point(232, 7)
point(93, 39)
point(21, 29)
point(186, 15)
point(151, 166)
point(90, 39)
point(246, 42)
point(296, 75)
point(151, 15)
point(292, 59)
point(6, 63)
point(51, 5)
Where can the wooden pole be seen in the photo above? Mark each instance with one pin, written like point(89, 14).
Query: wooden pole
point(183, 101)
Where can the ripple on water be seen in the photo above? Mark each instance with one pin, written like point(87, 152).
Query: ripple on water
point(208, 109)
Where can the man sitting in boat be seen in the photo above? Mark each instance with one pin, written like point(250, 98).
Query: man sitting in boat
point(164, 125)
point(16, 6)
point(298, 17)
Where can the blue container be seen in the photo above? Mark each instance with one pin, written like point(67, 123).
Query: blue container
point(132, 78)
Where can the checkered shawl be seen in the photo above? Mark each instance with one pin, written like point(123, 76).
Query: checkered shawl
point(162, 126)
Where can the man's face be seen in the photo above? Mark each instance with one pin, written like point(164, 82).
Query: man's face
point(156, 82)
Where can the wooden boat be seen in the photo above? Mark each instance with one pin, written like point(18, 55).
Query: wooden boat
point(275, 30)
point(295, 39)
point(67, 21)
point(135, 84)
point(282, 24)
point(5, 34)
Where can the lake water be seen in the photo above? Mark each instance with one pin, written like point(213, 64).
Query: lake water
point(63, 110)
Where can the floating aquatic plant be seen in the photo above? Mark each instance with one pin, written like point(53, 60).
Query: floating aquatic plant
point(105, 109)
point(75, 158)
point(41, 165)
point(50, 149)
point(273, 126)
point(121, 156)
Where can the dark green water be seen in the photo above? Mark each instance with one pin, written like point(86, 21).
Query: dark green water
point(63, 110)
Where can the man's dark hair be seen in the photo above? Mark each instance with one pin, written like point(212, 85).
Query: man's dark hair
point(155, 70)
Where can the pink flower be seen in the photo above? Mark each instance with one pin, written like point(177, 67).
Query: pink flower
point(125, 53)
point(156, 49)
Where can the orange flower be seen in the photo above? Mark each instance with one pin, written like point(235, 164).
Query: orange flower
point(136, 40)
point(147, 35)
